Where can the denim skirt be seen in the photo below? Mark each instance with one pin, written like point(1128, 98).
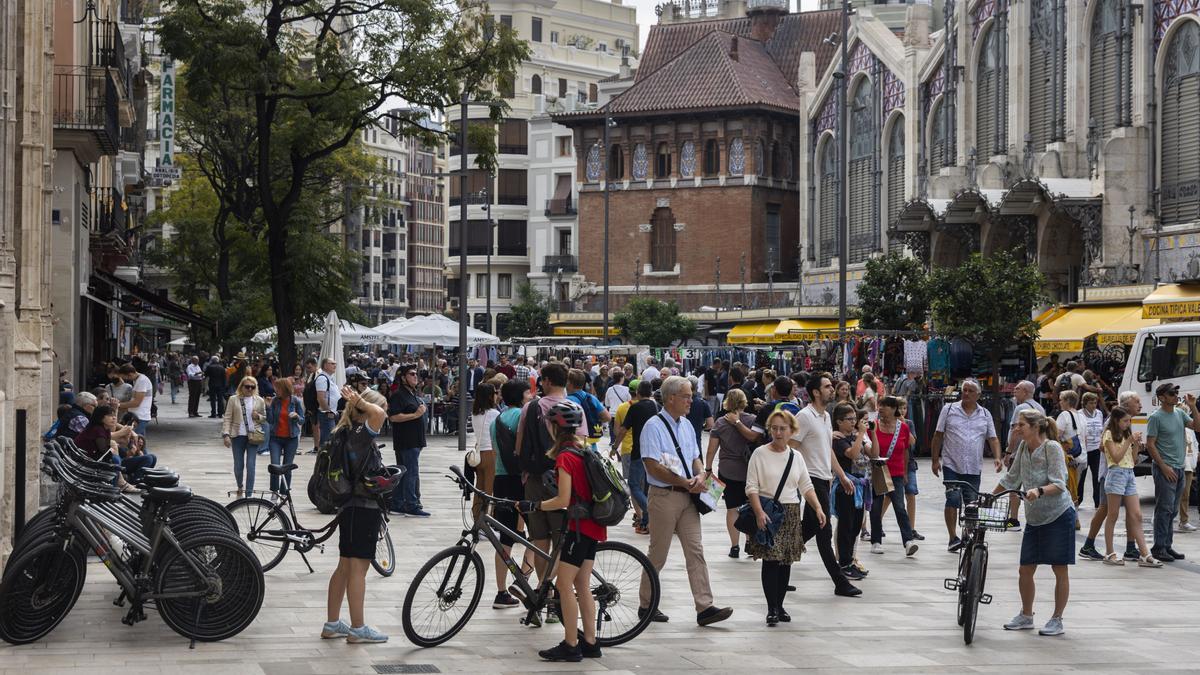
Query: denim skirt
point(1050, 544)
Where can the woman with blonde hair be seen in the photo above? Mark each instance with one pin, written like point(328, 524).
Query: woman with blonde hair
point(359, 522)
point(242, 431)
point(1039, 470)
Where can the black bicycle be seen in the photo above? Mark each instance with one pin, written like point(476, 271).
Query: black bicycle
point(270, 527)
point(446, 591)
point(171, 550)
point(978, 514)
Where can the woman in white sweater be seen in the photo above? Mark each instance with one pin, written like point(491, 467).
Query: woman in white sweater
point(765, 479)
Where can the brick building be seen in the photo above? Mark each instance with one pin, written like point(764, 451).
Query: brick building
point(703, 162)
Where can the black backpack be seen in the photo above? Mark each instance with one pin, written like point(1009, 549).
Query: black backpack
point(310, 396)
point(506, 448)
point(338, 473)
point(535, 442)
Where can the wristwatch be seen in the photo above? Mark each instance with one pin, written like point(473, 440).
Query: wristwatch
point(1041, 491)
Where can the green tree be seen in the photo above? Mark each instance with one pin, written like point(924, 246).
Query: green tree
point(988, 301)
point(894, 294)
point(654, 323)
point(530, 315)
point(301, 81)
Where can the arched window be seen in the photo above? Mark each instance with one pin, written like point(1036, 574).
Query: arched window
point(828, 206)
point(662, 161)
point(1047, 73)
point(776, 161)
point(592, 168)
point(662, 240)
point(737, 157)
point(616, 163)
point(895, 179)
point(759, 166)
point(712, 157)
point(937, 138)
point(862, 153)
point(1181, 127)
point(789, 164)
point(1105, 66)
point(535, 84)
point(687, 160)
point(641, 163)
point(988, 84)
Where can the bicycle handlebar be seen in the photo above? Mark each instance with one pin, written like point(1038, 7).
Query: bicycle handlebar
point(964, 486)
point(468, 488)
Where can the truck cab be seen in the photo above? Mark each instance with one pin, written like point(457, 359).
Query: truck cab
point(1166, 353)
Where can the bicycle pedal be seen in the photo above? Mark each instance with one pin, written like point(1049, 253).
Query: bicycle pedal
point(950, 584)
point(985, 599)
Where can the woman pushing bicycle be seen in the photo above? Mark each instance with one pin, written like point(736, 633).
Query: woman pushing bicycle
point(358, 523)
point(1039, 469)
point(574, 571)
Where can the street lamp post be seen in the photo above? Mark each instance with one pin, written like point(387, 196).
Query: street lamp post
point(608, 124)
point(843, 165)
point(487, 209)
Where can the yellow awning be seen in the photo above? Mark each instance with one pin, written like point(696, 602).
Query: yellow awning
point(578, 330)
point(1067, 332)
point(753, 333)
point(1172, 301)
point(810, 329)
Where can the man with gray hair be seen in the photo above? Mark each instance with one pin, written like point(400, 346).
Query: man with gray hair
point(1130, 402)
point(79, 417)
point(963, 428)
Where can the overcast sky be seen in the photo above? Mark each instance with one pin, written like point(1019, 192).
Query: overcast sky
point(646, 17)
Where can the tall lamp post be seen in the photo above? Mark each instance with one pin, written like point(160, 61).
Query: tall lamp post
point(485, 194)
point(843, 165)
point(608, 124)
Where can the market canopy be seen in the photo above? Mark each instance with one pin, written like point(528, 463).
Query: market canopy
point(758, 333)
point(584, 330)
point(352, 334)
point(809, 329)
point(1173, 301)
point(433, 329)
point(1066, 332)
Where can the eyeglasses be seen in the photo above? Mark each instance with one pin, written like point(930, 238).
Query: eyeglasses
point(247, 386)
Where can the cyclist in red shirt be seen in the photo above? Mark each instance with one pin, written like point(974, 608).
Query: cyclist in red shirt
point(579, 542)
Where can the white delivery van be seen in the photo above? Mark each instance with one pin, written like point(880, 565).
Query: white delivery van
point(1166, 353)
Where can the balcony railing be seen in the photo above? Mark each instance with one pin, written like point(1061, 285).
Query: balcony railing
point(566, 263)
point(86, 100)
point(512, 199)
point(506, 149)
point(108, 49)
point(560, 207)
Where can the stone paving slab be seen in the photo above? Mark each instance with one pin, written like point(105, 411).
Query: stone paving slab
point(1120, 619)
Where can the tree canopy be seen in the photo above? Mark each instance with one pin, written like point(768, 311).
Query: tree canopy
point(894, 294)
point(529, 316)
point(654, 323)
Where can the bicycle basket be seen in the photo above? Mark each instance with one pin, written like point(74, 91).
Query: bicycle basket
point(985, 514)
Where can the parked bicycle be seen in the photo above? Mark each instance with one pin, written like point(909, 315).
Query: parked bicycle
point(977, 515)
point(166, 548)
point(271, 526)
point(446, 591)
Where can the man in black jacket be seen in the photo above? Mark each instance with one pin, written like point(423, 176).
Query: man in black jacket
point(215, 373)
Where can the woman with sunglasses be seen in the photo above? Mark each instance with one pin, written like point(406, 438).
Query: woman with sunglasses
point(242, 431)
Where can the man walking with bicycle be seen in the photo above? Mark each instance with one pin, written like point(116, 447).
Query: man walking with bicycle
point(962, 431)
point(676, 473)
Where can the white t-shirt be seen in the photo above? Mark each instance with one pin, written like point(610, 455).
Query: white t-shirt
point(1066, 430)
point(816, 442)
point(143, 384)
point(615, 396)
point(324, 382)
point(651, 374)
point(481, 425)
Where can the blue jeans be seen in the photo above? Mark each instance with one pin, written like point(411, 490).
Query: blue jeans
point(408, 496)
point(898, 507)
point(174, 389)
point(244, 459)
point(637, 487)
point(283, 451)
point(140, 427)
point(1166, 506)
point(326, 423)
point(134, 465)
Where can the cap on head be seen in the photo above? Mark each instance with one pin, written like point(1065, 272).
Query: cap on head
point(1167, 388)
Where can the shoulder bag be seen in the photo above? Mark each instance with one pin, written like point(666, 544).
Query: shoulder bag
point(881, 478)
point(687, 472)
point(253, 433)
point(746, 521)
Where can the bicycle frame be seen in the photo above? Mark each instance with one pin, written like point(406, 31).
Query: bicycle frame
point(305, 539)
point(487, 526)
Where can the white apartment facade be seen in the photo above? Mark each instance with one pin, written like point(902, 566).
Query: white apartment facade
point(522, 215)
point(376, 233)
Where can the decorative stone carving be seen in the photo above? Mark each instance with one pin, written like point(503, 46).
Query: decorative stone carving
point(645, 228)
point(662, 203)
point(679, 227)
point(1089, 216)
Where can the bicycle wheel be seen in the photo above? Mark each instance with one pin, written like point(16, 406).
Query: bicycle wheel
point(974, 591)
point(229, 588)
point(964, 567)
point(256, 517)
point(384, 561)
point(443, 596)
point(616, 584)
point(38, 589)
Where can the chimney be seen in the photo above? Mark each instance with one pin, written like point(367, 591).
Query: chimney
point(764, 17)
point(625, 72)
point(733, 49)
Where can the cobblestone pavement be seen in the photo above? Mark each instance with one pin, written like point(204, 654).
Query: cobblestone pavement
point(1120, 619)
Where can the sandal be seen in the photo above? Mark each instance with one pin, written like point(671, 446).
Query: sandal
point(1114, 559)
point(128, 488)
point(1149, 561)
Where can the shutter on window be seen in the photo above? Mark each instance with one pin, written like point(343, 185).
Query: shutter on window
point(828, 209)
point(937, 143)
point(895, 181)
point(1102, 80)
point(985, 101)
point(1181, 152)
point(861, 191)
point(1041, 64)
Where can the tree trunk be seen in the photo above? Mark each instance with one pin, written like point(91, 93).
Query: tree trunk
point(285, 318)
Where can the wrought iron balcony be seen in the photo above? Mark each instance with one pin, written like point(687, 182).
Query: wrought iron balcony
point(554, 263)
point(85, 99)
point(560, 207)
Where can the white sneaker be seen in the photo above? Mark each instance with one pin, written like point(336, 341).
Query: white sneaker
point(877, 548)
point(1187, 527)
point(910, 548)
point(1019, 622)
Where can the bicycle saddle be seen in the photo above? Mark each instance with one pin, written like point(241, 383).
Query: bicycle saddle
point(159, 480)
point(169, 495)
point(280, 469)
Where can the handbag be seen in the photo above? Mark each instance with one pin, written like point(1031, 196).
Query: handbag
point(254, 435)
point(747, 522)
point(702, 507)
point(1076, 448)
point(881, 478)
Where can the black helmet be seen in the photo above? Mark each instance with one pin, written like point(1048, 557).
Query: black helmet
point(565, 414)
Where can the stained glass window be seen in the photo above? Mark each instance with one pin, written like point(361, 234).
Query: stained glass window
point(593, 164)
point(759, 166)
point(640, 162)
point(737, 157)
point(687, 160)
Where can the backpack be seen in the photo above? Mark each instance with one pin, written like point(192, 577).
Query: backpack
point(337, 473)
point(535, 442)
point(506, 448)
point(610, 494)
point(1064, 382)
point(591, 412)
point(310, 397)
point(788, 406)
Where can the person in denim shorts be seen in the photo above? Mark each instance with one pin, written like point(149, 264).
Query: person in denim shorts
point(963, 429)
point(1120, 453)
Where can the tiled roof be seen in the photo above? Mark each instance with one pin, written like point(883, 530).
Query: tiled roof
point(795, 34)
point(706, 75)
